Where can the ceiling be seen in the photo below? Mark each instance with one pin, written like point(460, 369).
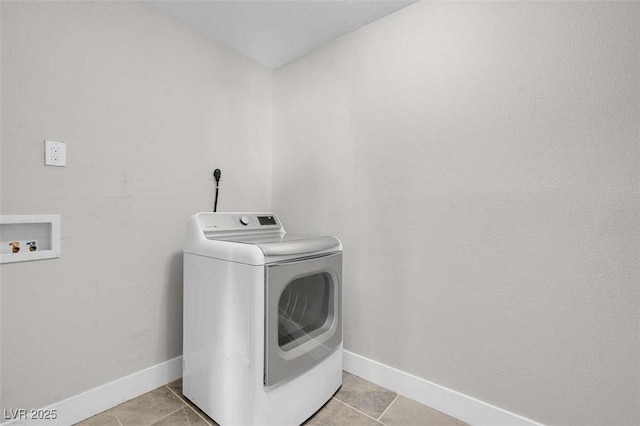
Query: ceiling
point(274, 33)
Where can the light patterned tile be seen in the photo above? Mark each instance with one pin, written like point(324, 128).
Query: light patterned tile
point(407, 412)
point(183, 417)
point(102, 419)
point(147, 408)
point(336, 413)
point(367, 397)
point(176, 387)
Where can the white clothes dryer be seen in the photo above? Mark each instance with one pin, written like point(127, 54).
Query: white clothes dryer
point(262, 319)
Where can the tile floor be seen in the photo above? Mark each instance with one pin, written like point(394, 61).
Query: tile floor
point(357, 403)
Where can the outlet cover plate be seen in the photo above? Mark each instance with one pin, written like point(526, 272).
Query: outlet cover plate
point(55, 153)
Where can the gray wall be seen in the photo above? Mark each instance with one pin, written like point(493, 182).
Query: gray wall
point(480, 163)
point(146, 107)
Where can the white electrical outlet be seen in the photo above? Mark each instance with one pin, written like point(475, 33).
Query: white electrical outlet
point(55, 153)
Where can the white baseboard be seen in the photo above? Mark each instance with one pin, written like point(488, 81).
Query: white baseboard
point(97, 400)
point(448, 401)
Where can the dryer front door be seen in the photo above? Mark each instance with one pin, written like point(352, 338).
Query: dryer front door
point(303, 314)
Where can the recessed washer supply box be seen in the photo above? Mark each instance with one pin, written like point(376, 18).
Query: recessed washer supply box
point(29, 237)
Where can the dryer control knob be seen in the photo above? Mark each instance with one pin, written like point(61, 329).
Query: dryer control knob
point(245, 220)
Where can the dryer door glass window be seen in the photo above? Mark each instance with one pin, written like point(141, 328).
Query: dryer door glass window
point(305, 309)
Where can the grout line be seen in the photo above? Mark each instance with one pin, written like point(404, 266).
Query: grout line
point(173, 392)
point(354, 408)
point(114, 416)
point(198, 414)
point(164, 417)
point(187, 404)
point(388, 406)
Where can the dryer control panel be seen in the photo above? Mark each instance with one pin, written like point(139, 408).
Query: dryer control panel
point(267, 220)
point(264, 220)
point(216, 223)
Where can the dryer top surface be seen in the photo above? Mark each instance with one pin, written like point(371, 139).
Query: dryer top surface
point(254, 238)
